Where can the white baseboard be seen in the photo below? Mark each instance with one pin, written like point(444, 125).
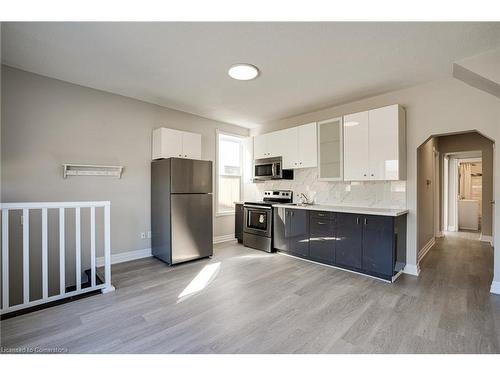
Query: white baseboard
point(423, 252)
point(412, 269)
point(439, 235)
point(484, 238)
point(225, 238)
point(451, 228)
point(125, 256)
point(495, 287)
point(145, 253)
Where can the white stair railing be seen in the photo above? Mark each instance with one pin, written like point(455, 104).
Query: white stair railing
point(105, 287)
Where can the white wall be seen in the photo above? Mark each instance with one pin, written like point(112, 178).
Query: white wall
point(438, 107)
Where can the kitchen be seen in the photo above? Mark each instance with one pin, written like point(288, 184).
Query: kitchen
point(261, 199)
point(365, 147)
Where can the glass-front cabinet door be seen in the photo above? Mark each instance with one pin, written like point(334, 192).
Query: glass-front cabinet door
point(330, 149)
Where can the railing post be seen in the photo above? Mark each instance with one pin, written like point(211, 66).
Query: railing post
point(5, 258)
point(92, 246)
point(26, 255)
point(107, 249)
point(62, 253)
point(45, 266)
point(78, 250)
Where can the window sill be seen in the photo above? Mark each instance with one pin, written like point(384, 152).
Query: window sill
point(225, 213)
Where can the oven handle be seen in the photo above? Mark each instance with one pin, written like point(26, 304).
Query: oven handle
point(259, 207)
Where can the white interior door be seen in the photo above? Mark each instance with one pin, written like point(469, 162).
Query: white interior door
point(356, 147)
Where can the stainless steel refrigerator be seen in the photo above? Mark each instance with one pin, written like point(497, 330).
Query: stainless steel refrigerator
point(181, 209)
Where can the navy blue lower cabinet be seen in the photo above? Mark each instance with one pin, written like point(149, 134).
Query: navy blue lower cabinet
point(370, 244)
point(322, 239)
point(349, 244)
point(291, 231)
point(378, 245)
point(298, 232)
point(280, 224)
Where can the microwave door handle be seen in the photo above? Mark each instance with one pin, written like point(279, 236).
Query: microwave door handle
point(273, 170)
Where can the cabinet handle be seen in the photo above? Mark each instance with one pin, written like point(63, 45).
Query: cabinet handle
point(321, 215)
point(180, 155)
point(357, 220)
point(321, 223)
point(185, 156)
point(364, 175)
point(372, 175)
point(366, 221)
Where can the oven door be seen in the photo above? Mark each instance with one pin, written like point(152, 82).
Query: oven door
point(258, 220)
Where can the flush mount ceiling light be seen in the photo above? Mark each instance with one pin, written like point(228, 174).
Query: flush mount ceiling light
point(243, 72)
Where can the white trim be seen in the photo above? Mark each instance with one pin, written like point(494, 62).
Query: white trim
point(423, 252)
point(57, 297)
point(411, 269)
point(38, 205)
point(451, 228)
point(337, 268)
point(485, 238)
point(125, 256)
point(495, 287)
point(242, 138)
point(440, 234)
point(225, 213)
point(396, 276)
point(224, 238)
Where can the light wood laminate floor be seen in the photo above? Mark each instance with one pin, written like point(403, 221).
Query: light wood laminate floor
point(256, 302)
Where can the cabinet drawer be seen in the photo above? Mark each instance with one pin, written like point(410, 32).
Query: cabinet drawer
point(326, 215)
point(321, 250)
point(321, 227)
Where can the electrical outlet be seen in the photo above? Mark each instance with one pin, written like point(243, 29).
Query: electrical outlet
point(143, 235)
point(149, 234)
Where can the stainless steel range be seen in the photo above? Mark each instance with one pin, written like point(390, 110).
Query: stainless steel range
point(258, 219)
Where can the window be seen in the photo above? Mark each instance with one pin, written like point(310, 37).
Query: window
point(229, 172)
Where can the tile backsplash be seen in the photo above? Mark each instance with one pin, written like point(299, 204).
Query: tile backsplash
point(377, 194)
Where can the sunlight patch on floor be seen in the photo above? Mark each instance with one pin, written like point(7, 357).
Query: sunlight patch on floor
point(200, 281)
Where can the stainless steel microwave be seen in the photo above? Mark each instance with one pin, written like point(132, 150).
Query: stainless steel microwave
point(271, 169)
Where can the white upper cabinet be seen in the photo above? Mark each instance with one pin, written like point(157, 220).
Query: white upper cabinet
point(375, 145)
point(261, 147)
point(191, 145)
point(168, 143)
point(297, 146)
point(330, 153)
point(287, 146)
point(307, 146)
point(356, 154)
point(387, 143)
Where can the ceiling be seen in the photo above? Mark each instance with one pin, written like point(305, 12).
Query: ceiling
point(304, 66)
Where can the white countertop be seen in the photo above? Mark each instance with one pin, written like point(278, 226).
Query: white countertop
point(353, 210)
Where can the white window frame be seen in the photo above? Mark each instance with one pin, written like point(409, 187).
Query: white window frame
point(217, 133)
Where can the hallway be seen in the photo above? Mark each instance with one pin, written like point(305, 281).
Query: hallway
point(456, 274)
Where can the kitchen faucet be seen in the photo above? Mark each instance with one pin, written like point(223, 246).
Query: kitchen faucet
point(304, 199)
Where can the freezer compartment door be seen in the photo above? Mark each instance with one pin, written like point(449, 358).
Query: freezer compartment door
point(189, 176)
point(192, 236)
